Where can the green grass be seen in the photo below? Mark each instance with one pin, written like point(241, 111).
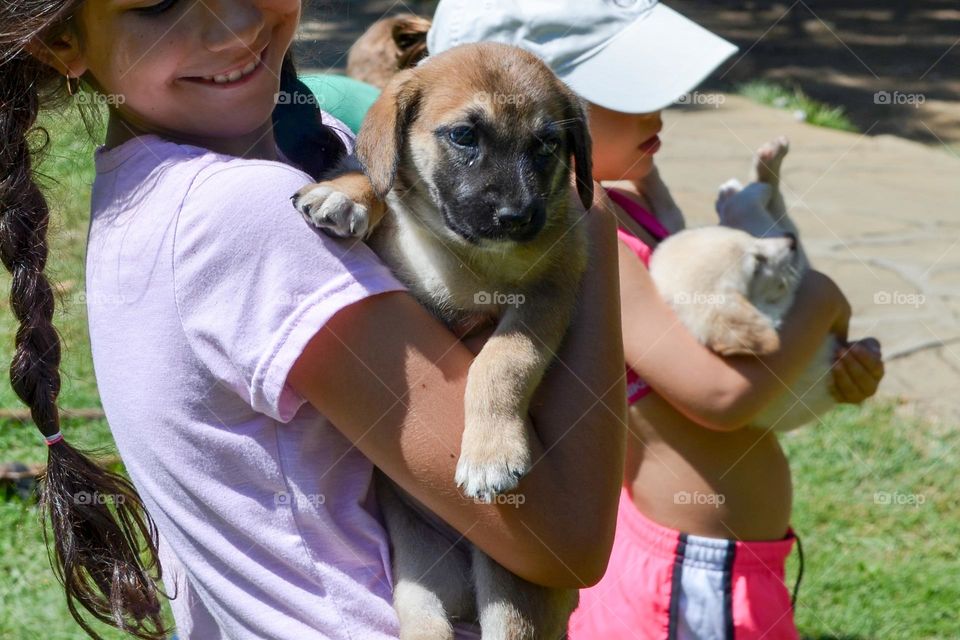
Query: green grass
point(793, 99)
point(879, 517)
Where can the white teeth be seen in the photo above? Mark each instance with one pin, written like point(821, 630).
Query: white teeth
point(233, 76)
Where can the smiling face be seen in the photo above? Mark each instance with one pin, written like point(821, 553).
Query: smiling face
point(197, 72)
point(623, 143)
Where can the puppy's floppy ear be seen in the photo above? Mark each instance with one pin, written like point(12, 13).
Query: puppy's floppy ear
point(410, 37)
point(383, 132)
point(739, 329)
point(581, 146)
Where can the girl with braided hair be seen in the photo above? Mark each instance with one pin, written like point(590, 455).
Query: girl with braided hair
point(253, 370)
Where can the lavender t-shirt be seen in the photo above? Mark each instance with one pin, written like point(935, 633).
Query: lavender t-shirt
point(203, 287)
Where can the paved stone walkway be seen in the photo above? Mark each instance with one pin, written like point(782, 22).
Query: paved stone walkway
point(881, 215)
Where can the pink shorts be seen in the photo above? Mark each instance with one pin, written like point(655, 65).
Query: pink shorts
point(662, 584)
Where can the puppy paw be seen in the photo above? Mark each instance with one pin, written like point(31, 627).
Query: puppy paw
point(768, 160)
point(727, 190)
point(326, 207)
point(493, 459)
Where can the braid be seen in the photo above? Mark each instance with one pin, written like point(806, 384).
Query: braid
point(96, 546)
point(34, 371)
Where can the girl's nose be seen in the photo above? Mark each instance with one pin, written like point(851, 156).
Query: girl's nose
point(232, 24)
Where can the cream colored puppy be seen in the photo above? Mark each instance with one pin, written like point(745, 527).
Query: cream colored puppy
point(732, 285)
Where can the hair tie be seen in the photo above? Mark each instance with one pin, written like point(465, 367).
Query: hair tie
point(54, 439)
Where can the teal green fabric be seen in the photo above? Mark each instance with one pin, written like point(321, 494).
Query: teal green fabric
point(344, 98)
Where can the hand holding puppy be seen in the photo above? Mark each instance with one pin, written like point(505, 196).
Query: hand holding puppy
point(857, 371)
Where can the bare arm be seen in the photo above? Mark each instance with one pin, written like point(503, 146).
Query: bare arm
point(721, 393)
point(392, 379)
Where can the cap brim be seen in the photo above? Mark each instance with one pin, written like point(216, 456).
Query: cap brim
point(678, 55)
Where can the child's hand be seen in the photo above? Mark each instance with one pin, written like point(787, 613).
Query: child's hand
point(857, 371)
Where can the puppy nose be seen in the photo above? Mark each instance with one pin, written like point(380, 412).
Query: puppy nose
point(514, 217)
point(792, 237)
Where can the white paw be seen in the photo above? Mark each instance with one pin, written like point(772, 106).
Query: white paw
point(333, 211)
point(726, 191)
point(490, 466)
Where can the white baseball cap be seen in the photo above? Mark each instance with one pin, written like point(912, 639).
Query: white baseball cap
point(634, 56)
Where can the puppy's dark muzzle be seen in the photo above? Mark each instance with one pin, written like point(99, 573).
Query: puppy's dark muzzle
point(520, 223)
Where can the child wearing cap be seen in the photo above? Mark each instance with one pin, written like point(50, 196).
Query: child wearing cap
point(703, 528)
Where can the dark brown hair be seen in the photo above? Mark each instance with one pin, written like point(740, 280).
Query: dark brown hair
point(104, 548)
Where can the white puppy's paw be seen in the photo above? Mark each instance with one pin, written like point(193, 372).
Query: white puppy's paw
point(727, 190)
point(325, 207)
point(492, 461)
point(768, 160)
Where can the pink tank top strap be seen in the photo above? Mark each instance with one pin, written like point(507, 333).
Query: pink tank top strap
point(636, 211)
point(637, 388)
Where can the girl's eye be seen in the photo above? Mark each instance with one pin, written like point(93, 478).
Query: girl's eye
point(463, 136)
point(156, 9)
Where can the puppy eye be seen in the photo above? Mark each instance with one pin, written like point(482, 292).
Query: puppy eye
point(548, 147)
point(463, 136)
point(761, 260)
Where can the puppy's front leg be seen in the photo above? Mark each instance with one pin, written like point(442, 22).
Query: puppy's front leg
point(345, 206)
point(495, 451)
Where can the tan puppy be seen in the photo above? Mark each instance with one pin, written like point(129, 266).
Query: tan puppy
point(471, 151)
point(732, 285)
point(388, 46)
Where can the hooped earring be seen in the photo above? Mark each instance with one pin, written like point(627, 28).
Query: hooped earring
point(70, 89)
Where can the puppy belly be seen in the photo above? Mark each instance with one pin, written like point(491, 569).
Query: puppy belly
point(807, 399)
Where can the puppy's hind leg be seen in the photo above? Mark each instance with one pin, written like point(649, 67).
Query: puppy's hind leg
point(430, 578)
point(727, 190)
point(513, 609)
point(767, 163)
